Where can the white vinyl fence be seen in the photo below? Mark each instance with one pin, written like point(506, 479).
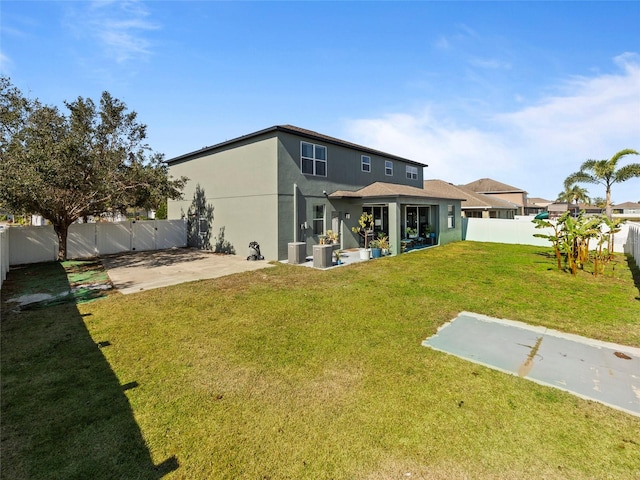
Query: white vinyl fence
point(521, 231)
point(632, 245)
point(85, 240)
point(4, 254)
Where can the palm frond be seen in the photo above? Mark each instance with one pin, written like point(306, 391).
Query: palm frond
point(628, 171)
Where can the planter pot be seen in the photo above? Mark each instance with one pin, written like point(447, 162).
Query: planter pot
point(385, 251)
point(376, 252)
point(365, 253)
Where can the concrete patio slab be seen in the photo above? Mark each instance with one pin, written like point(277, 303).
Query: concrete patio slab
point(133, 272)
point(604, 372)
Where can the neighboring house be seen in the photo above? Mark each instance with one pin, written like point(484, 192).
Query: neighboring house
point(558, 208)
point(536, 205)
point(628, 210)
point(487, 186)
point(286, 184)
point(474, 205)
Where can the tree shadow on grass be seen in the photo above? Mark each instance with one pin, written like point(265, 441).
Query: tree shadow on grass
point(64, 411)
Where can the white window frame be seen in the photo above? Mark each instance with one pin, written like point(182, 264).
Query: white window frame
point(451, 216)
point(320, 220)
point(388, 168)
point(315, 161)
point(412, 172)
point(365, 161)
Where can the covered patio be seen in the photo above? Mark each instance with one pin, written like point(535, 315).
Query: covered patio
point(411, 217)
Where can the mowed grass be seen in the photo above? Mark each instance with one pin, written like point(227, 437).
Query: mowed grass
point(295, 373)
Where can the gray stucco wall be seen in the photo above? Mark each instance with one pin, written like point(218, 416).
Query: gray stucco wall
point(241, 184)
point(446, 234)
point(259, 193)
point(344, 172)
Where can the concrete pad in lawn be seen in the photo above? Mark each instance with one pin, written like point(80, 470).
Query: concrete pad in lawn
point(133, 272)
point(604, 372)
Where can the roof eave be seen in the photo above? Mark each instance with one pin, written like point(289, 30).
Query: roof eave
point(292, 131)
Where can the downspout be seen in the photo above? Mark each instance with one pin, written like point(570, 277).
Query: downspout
point(295, 212)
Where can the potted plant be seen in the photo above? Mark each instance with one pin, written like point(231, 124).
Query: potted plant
point(365, 223)
point(412, 232)
point(383, 243)
point(338, 255)
point(376, 251)
point(331, 237)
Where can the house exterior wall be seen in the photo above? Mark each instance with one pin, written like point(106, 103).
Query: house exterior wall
point(446, 234)
point(343, 168)
point(344, 172)
point(259, 193)
point(240, 181)
point(517, 198)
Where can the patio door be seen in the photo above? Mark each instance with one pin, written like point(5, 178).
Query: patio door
point(380, 217)
point(416, 218)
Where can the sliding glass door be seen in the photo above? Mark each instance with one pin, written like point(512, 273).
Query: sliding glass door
point(380, 217)
point(416, 222)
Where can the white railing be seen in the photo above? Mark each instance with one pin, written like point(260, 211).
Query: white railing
point(4, 254)
point(40, 244)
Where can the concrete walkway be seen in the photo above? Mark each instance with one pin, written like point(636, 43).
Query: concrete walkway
point(133, 272)
point(604, 372)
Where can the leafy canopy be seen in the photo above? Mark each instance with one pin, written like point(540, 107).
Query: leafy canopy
point(87, 162)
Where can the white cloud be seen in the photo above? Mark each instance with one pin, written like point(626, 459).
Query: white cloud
point(461, 33)
point(490, 63)
point(5, 63)
point(533, 148)
point(425, 138)
point(118, 27)
point(592, 113)
point(442, 43)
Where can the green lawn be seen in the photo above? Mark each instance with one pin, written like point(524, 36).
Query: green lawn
point(296, 373)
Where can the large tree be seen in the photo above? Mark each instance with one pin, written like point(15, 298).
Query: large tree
point(606, 173)
point(90, 161)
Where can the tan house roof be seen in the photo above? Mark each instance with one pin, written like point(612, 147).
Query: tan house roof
point(471, 199)
point(488, 185)
point(383, 189)
point(538, 202)
point(627, 206)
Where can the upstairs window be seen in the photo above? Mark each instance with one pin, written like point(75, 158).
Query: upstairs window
point(412, 173)
point(388, 168)
point(313, 159)
point(366, 163)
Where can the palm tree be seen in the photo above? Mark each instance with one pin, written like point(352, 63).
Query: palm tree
point(604, 172)
point(573, 194)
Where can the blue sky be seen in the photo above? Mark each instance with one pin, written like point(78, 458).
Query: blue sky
point(521, 92)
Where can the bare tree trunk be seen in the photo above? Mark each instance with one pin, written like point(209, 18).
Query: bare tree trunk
point(61, 231)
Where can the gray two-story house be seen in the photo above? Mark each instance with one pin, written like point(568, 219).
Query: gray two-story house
point(287, 184)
